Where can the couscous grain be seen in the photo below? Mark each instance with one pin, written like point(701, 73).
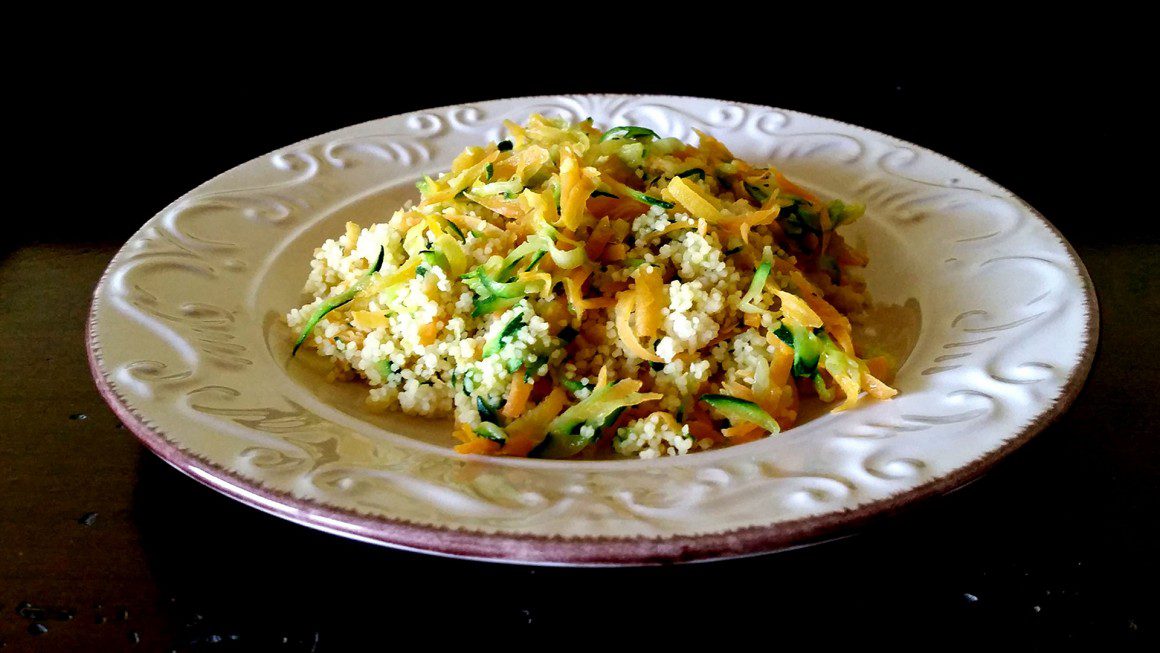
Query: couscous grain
point(575, 292)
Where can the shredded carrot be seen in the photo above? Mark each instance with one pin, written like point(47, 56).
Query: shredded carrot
point(529, 161)
point(650, 300)
point(470, 222)
point(433, 224)
point(769, 398)
point(796, 308)
point(621, 188)
point(542, 205)
point(463, 432)
point(460, 181)
point(741, 430)
point(748, 437)
point(529, 430)
point(479, 446)
point(752, 319)
point(598, 239)
point(576, 184)
point(468, 158)
point(602, 377)
point(504, 169)
point(782, 361)
point(368, 320)
point(544, 280)
point(741, 224)
point(615, 252)
point(837, 325)
point(738, 390)
point(712, 147)
point(790, 401)
point(519, 134)
point(615, 208)
point(624, 304)
point(845, 254)
point(876, 388)
point(695, 200)
point(599, 302)
point(428, 332)
point(518, 397)
point(703, 428)
point(573, 288)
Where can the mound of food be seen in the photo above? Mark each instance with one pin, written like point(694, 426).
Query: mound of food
point(578, 292)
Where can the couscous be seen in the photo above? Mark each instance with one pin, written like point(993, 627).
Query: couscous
point(573, 291)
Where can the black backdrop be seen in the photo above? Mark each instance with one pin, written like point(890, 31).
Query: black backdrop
point(1054, 547)
point(1048, 120)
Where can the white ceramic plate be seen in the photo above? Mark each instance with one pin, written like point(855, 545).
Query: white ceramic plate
point(187, 344)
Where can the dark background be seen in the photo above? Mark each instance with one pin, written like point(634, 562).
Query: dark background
point(1055, 548)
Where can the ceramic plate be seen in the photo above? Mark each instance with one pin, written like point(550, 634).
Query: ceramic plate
point(187, 344)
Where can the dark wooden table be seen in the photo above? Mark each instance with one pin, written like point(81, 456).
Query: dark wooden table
point(107, 548)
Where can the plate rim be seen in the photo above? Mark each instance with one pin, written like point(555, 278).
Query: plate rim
point(581, 550)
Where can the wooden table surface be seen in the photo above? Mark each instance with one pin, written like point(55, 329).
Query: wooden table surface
point(106, 548)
